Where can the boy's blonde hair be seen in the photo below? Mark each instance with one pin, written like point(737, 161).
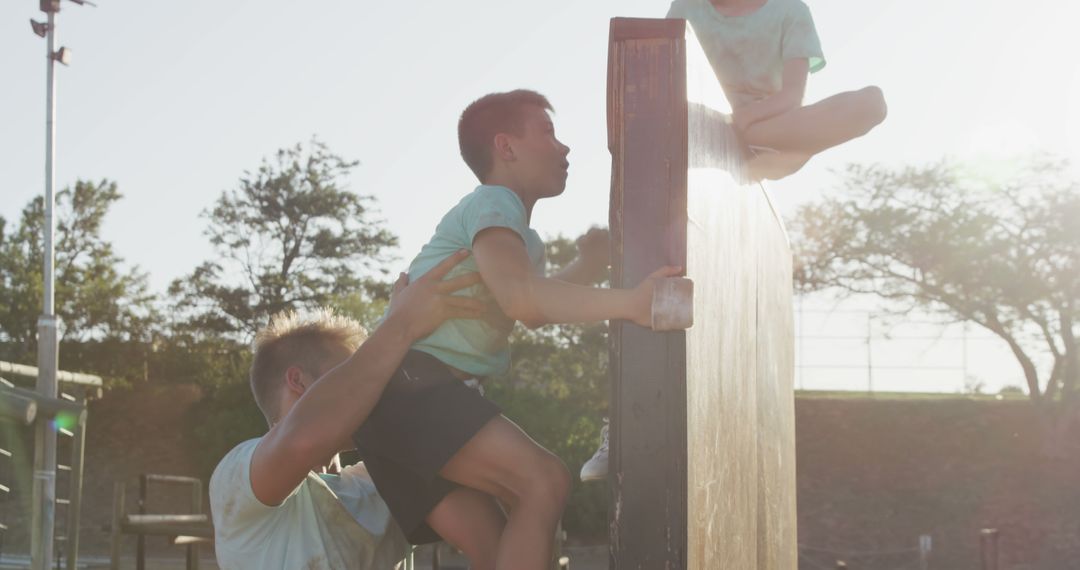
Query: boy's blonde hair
point(306, 340)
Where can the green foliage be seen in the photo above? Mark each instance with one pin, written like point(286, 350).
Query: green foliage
point(99, 303)
point(361, 306)
point(226, 416)
point(210, 362)
point(1004, 255)
point(1011, 391)
point(290, 236)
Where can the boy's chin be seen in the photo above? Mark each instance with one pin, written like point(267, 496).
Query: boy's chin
point(556, 189)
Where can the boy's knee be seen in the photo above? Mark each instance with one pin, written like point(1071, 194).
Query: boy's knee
point(561, 481)
point(873, 104)
point(551, 483)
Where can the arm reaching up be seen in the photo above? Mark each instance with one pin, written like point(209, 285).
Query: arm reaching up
point(535, 300)
point(323, 420)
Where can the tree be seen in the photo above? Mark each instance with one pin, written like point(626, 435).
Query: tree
point(1005, 256)
point(290, 236)
point(97, 299)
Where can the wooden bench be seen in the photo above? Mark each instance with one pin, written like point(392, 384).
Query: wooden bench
point(188, 530)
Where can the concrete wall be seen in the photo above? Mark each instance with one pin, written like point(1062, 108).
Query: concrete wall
point(873, 475)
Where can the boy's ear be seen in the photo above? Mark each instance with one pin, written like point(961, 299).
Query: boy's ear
point(504, 147)
point(294, 380)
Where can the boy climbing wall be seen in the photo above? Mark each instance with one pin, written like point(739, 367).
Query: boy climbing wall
point(430, 434)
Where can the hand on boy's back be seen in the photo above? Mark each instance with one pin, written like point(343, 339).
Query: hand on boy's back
point(643, 294)
point(425, 304)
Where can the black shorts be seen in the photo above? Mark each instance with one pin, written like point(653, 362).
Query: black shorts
point(425, 415)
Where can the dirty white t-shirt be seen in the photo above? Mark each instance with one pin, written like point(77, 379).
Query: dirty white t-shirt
point(328, 522)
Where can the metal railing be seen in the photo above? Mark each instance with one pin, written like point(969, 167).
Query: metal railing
point(26, 409)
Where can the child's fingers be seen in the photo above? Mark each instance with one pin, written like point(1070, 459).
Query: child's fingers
point(459, 282)
point(444, 266)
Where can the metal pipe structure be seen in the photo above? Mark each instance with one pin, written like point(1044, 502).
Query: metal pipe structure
point(48, 408)
point(18, 408)
point(88, 380)
point(75, 488)
point(43, 519)
point(988, 548)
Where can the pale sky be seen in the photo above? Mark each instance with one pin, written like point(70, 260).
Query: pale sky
point(174, 100)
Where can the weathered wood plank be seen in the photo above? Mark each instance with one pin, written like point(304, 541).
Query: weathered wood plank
point(702, 434)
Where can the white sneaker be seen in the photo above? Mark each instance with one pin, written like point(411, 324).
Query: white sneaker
point(596, 468)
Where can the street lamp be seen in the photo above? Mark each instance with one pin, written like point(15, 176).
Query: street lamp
point(40, 28)
point(43, 520)
point(63, 55)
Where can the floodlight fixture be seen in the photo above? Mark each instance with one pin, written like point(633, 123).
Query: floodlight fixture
point(63, 55)
point(40, 28)
point(50, 6)
point(84, 2)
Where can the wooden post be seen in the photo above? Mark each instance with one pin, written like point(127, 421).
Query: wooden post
point(116, 535)
point(702, 463)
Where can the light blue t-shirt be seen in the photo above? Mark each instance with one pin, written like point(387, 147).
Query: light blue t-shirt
point(478, 346)
point(748, 52)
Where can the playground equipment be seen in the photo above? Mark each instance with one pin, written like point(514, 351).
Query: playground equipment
point(702, 435)
point(22, 409)
point(189, 530)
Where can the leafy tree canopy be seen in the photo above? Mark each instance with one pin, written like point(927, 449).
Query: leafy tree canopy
point(289, 236)
point(97, 299)
point(1003, 255)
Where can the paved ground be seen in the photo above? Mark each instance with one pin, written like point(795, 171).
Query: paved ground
point(581, 558)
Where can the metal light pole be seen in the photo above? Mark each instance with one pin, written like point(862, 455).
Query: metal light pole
point(44, 485)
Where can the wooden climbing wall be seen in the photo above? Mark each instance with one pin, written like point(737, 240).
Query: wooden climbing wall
point(703, 446)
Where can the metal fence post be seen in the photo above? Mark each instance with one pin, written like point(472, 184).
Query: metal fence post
point(140, 542)
point(117, 535)
point(988, 548)
point(196, 508)
point(78, 456)
point(925, 545)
